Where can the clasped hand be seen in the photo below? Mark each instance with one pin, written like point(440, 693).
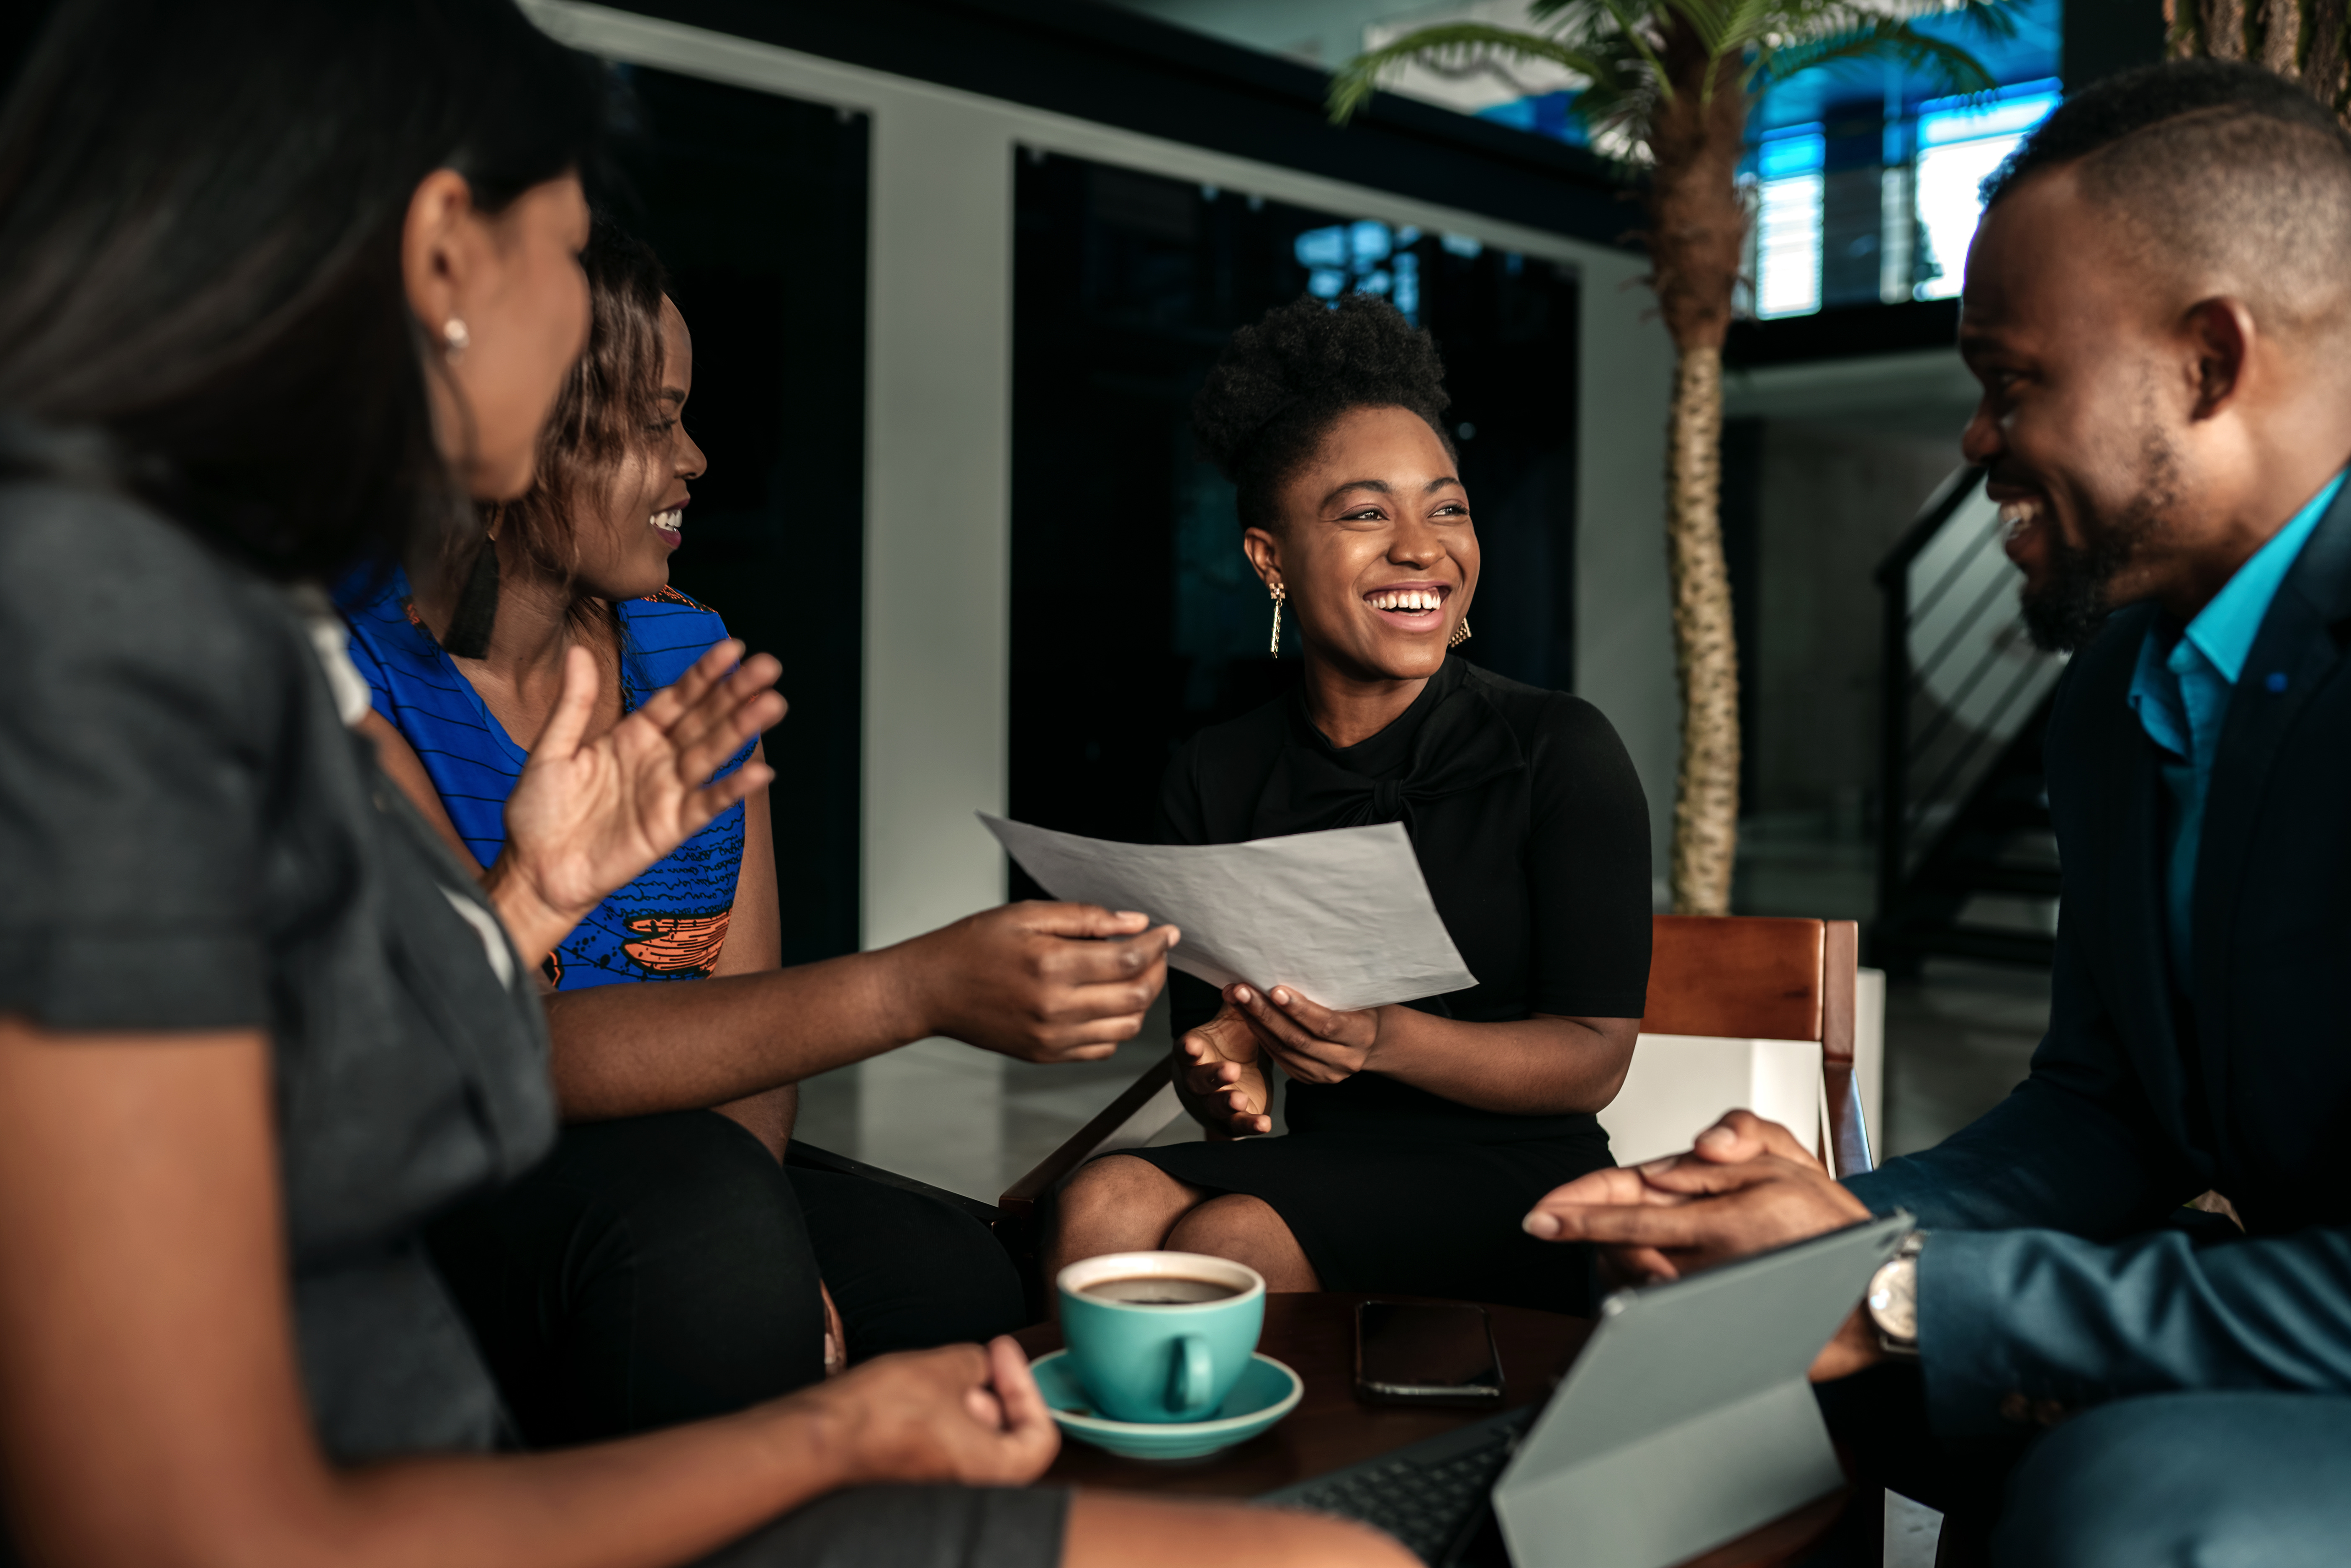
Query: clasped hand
point(1310, 1042)
point(589, 816)
point(966, 1415)
point(1745, 1186)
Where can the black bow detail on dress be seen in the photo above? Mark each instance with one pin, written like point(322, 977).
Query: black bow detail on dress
point(1461, 745)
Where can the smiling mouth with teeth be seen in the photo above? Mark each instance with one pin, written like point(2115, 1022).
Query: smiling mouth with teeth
point(2016, 516)
point(671, 522)
point(1407, 603)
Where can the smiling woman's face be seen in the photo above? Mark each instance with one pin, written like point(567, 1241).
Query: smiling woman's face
point(625, 538)
point(1376, 549)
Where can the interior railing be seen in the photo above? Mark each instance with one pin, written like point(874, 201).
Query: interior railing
point(1961, 677)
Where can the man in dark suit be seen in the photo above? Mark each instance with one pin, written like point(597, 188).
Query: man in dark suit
point(2159, 308)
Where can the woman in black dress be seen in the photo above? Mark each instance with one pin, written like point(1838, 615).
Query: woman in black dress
point(1419, 1132)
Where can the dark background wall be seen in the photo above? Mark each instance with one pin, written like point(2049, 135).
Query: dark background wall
point(1135, 618)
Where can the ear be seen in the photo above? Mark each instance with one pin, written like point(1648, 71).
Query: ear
point(2222, 336)
point(436, 247)
point(1264, 552)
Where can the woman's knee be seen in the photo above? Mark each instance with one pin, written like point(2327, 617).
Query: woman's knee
point(1119, 1193)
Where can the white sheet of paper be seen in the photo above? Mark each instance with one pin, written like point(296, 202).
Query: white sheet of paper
point(1342, 917)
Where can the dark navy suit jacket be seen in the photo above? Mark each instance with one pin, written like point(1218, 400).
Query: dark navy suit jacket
point(2046, 1284)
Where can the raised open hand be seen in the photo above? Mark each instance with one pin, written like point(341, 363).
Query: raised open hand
point(1225, 1075)
point(589, 816)
point(1311, 1041)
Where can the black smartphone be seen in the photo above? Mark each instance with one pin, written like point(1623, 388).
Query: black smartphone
point(1414, 1353)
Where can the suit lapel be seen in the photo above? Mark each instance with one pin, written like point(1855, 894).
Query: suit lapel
point(2292, 656)
point(2135, 959)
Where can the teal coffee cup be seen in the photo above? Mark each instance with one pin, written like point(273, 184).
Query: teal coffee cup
point(1160, 1336)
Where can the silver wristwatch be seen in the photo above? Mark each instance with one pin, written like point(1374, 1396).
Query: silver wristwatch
point(1893, 1299)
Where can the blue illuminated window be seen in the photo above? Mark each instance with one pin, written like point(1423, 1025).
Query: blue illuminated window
point(1958, 144)
point(1788, 222)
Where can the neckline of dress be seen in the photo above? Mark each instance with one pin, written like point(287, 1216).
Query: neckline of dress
point(1389, 748)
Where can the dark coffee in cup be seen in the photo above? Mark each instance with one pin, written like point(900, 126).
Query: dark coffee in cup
point(1159, 1291)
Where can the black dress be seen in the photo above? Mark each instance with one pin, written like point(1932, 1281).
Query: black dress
point(1530, 827)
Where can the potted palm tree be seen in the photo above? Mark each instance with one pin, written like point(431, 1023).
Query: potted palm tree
point(1670, 86)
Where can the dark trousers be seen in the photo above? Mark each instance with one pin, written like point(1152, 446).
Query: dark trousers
point(2214, 1480)
point(663, 1269)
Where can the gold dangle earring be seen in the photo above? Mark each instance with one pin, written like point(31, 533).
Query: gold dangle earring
point(1460, 635)
point(1279, 593)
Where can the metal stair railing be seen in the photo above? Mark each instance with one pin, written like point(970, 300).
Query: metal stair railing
point(1961, 678)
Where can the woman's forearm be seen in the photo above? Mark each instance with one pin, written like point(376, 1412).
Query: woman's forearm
point(1041, 982)
point(1542, 1066)
point(632, 1051)
point(667, 1497)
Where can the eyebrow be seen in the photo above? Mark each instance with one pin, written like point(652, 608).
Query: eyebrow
point(1384, 488)
point(673, 395)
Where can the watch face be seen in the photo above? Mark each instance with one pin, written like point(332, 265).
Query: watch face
point(1894, 1300)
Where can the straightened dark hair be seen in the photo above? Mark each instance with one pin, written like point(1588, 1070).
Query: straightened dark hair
point(611, 403)
point(199, 220)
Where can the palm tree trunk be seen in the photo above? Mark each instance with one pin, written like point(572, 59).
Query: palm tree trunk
point(2303, 41)
point(1697, 239)
point(1706, 653)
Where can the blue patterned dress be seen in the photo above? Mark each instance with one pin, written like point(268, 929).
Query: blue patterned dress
point(668, 923)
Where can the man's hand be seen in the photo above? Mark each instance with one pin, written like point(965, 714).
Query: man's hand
point(1313, 1043)
point(1745, 1186)
point(1041, 982)
point(1225, 1076)
point(589, 816)
point(966, 1415)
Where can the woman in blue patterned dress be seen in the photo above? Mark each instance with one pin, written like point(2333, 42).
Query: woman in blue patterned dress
point(661, 1265)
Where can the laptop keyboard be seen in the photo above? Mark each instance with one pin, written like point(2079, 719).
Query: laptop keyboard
point(1426, 1495)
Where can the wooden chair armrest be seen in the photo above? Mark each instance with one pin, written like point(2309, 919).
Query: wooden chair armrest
point(807, 1156)
point(1105, 1129)
point(1848, 1129)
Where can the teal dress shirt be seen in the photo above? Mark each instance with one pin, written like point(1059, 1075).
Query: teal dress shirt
point(2180, 693)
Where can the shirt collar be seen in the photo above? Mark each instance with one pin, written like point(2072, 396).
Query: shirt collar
point(2223, 630)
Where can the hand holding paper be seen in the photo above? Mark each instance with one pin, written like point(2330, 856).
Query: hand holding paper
point(1342, 917)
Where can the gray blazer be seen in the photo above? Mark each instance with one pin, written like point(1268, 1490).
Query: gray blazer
point(191, 839)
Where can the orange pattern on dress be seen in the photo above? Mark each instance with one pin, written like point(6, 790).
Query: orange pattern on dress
point(669, 595)
point(678, 944)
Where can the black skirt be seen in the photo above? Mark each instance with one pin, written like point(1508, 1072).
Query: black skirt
point(1420, 1217)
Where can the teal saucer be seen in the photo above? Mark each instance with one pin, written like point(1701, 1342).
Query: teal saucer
point(1266, 1393)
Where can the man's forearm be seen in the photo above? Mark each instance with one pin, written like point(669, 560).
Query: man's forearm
point(2032, 1325)
point(2044, 1157)
point(632, 1051)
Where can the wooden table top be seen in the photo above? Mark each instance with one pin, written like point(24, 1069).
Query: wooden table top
point(1314, 1334)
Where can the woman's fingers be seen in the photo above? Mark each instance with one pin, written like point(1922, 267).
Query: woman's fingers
point(1314, 1018)
point(575, 705)
point(1277, 1025)
point(665, 707)
point(1030, 1438)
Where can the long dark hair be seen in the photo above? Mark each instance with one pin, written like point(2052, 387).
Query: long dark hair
point(609, 403)
point(199, 220)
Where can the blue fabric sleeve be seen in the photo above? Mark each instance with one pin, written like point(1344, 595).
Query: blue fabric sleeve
point(2074, 1148)
point(2012, 1320)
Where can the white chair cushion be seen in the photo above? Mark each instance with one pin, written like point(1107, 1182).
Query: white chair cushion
point(1681, 1083)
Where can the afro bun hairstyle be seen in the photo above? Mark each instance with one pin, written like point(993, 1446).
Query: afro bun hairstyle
point(1280, 386)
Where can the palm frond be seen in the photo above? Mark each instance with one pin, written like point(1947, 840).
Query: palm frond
point(1457, 43)
point(1879, 38)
